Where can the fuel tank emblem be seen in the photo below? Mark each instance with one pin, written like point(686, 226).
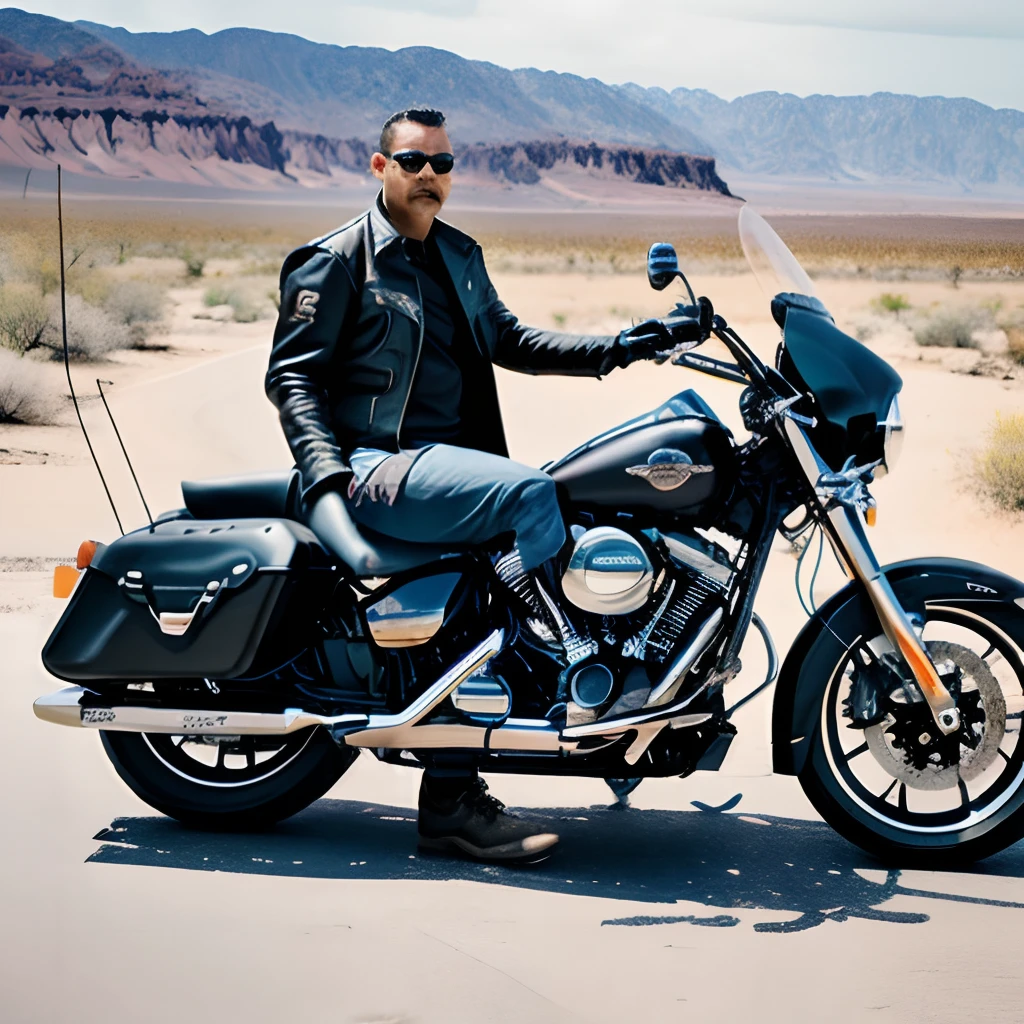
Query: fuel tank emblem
point(667, 469)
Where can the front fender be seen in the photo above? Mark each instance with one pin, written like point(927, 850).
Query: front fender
point(848, 614)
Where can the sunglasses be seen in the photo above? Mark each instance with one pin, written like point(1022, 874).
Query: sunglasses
point(414, 160)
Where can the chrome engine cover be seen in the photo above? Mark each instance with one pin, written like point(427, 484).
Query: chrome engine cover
point(609, 573)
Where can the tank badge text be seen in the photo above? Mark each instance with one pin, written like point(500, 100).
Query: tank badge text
point(667, 468)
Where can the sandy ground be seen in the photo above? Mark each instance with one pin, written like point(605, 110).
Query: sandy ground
point(668, 910)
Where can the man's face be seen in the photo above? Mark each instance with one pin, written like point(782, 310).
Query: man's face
point(416, 196)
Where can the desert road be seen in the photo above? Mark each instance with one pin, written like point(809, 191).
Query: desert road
point(717, 898)
point(711, 898)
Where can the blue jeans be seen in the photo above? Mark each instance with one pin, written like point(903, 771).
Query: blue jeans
point(461, 496)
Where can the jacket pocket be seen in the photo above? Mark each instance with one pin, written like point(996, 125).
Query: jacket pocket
point(367, 380)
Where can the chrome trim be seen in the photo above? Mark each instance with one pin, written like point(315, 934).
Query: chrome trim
point(851, 545)
point(673, 678)
point(620, 584)
point(411, 614)
point(895, 432)
point(481, 697)
point(697, 559)
point(64, 708)
point(394, 730)
point(617, 726)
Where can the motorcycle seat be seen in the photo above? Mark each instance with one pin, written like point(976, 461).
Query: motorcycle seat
point(277, 495)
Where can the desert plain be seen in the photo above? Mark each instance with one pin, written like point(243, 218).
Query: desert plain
point(719, 897)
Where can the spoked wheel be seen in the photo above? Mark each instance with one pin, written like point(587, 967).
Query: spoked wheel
point(899, 788)
point(228, 782)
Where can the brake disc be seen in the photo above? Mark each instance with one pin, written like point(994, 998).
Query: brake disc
point(908, 744)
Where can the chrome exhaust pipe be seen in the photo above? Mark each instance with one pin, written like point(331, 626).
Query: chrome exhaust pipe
point(400, 731)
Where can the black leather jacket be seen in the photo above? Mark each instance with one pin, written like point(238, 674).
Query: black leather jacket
point(348, 340)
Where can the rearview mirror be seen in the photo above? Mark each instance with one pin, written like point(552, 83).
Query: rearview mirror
point(662, 265)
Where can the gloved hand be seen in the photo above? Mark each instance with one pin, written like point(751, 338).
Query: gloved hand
point(659, 339)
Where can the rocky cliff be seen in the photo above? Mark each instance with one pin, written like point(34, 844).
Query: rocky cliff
point(219, 149)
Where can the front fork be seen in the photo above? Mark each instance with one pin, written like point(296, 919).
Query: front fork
point(842, 498)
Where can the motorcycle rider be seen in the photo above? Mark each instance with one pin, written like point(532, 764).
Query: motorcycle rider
point(381, 369)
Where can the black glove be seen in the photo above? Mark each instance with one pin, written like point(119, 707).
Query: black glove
point(653, 339)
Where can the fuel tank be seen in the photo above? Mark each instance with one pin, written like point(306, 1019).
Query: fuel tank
point(678, 458)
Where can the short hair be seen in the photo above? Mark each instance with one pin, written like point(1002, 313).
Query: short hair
point(421, 115)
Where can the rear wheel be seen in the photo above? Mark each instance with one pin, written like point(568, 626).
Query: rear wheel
point(898, 788)
point(228, 782)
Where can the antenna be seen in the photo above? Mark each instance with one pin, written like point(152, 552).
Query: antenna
point(67, 359)
point(124, 451)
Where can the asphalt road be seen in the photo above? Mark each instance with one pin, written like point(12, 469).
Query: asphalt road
point(678, 908)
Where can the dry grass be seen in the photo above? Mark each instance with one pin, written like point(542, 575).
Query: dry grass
point(952, 327)
point(1001, 464)
point(26, 392)
point(889, 248)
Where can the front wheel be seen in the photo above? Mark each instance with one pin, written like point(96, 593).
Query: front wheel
point(898, 788)
point(228, 782)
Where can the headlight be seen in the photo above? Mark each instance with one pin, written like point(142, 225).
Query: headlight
point(893, 443)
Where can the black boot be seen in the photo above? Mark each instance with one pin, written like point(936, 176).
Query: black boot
point(459, 814)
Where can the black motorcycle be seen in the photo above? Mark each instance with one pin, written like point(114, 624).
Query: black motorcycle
point(234, 667)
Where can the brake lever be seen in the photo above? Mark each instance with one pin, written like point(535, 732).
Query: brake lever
point(675, 353)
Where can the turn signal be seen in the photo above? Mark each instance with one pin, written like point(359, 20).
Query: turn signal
point(871, 515)
point(64, 579)
point(86, 553)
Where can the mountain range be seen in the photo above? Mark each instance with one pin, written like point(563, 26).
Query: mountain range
point(343, 93)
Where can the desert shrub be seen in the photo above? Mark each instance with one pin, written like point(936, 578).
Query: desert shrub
point(1001, 463)
point(93, 283)
point(193, 264)
point(24, 316)
point(890, 303)
point(1013, 324)
point(245, 307)
point(138, 305)
point(952, 328)
point(26, 395)
point(92, 332)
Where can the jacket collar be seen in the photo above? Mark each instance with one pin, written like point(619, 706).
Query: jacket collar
point(384, 232)
point(381, 228)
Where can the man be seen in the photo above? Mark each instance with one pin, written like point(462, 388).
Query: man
point(381, 370)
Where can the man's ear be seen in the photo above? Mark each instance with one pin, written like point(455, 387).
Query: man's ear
point(377, 164)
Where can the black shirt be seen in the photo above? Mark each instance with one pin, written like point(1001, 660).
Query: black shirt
point(432, 415)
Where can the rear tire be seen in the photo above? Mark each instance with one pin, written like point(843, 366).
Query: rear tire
point(156, 769)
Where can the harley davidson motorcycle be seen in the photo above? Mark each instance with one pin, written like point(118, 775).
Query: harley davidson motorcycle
point(234, 668)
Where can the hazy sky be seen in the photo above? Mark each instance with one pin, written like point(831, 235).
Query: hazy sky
point(947, 47)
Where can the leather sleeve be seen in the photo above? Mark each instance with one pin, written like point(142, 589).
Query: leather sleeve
point(529, 350)
point(316, 294)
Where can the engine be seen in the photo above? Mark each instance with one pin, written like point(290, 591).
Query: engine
point(609, 573)
point(641, 604)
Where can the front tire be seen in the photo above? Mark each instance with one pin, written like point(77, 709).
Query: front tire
point(201, 782)
point(900, 791)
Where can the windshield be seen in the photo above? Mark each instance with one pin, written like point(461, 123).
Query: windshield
point(774, 266)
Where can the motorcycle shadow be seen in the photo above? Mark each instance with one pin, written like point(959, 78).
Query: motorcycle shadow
point(721, 860)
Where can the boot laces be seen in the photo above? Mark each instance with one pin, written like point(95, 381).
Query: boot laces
point(478, 797)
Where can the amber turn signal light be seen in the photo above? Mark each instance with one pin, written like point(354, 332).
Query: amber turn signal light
point(871, 515)
point(64, 579)
point(86, 553)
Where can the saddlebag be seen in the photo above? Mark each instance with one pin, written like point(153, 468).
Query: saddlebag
point(189, 599)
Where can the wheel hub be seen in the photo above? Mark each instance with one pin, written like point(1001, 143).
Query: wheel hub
point(908, 744)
